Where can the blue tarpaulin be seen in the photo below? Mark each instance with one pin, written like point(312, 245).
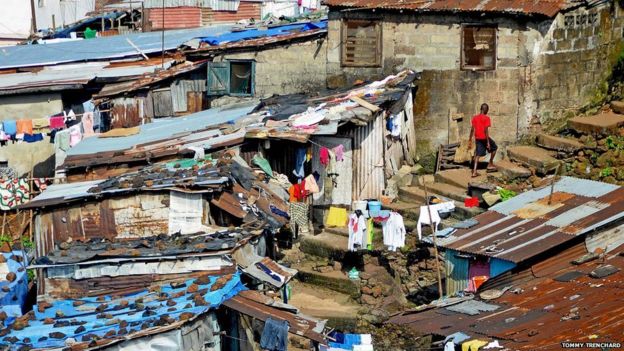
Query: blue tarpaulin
point(259, 33)
point(12, 301)
point(109, 318)
point(66, 32)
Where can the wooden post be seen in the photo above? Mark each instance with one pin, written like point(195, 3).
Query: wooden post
point(3, 221)
point(53, 22)
point(433, 235)
point(552, 184)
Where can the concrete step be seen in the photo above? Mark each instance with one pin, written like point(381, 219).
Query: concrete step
point(417, 194)
point(459, 177)
point(604, 123)
point(342, 231)
point(409, 210)
point(450, 191)
point(558, 143)
point(511, 171)
point(333, 280)
point(533, 156)
point(339, 309)
point(326, 245)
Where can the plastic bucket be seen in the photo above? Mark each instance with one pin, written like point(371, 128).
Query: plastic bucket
point(358, 205)
point(374, 206)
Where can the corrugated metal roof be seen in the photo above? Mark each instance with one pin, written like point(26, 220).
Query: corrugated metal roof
point(163, 129)
point(217, 5)
point(547, 8)
point(100, 48)
point(546, 312)
point(72, 74)
point(526, 226)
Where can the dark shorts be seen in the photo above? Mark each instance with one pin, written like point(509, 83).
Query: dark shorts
point(482, 147)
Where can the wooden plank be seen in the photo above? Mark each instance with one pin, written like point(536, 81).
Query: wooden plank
point(365, 103)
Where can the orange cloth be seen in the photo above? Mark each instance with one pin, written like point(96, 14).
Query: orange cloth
point(24, 126)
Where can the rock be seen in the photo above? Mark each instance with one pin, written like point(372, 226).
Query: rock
point(377, 292)
point(57, 335)
point(11, 277)
point(365, 276)
point(192, 289)
point(367, 290)
point(186, 315)
point(48, 321)
point(5, 247)
point(325, 269)
point(617, 106)
point(80, 329)
point(368, 300)
point(338, 267)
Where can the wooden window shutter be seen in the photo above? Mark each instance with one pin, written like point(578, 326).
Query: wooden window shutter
point(361, 43)
point(218, 78)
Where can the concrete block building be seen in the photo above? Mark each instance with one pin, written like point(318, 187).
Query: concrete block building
point(532, 61)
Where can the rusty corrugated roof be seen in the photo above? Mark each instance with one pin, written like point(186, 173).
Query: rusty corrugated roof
point(529, 226)
point(547, 8)
point(547, 311)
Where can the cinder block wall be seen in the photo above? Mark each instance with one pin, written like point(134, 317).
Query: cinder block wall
point(540, 71)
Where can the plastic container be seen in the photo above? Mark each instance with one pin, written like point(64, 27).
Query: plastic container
point(374, 206)
point(358, 205)
point(479, 280)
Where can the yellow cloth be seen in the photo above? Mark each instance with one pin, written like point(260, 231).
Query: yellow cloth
point(337, 217)
point(369, 233)
point(41, 125)
point(473, 345)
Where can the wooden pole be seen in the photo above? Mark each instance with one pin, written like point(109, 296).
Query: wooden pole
point(435, 244)
point(3, 221)
point(552, 184)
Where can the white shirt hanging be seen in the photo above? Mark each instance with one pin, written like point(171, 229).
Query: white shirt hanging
point(357, 231)
point(394, 232)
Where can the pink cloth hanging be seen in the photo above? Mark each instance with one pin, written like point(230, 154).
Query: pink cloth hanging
point(324, 155)
point(75, 135)
point(339, 151)
point(57, 122)
point(87, 124)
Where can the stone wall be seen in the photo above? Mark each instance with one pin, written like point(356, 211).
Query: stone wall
point(575, 59)
point(541, 70)
point(24, 157)
point(287, 69)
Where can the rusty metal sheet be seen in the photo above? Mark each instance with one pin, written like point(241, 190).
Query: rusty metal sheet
point(545, 312)
point(228, 203)
point(548, 8)
point(298, 324)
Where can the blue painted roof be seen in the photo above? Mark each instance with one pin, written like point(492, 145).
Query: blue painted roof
point(140, 311)
point(259, 33)
point(164, 128)
point(100, 48)
point(12, 301)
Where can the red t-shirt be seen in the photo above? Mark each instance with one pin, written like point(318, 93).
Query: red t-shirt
point(480, 122)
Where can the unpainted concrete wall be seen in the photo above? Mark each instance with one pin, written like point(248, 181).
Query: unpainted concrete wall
point(23, 157)
point(288, 69)
point(542, 71)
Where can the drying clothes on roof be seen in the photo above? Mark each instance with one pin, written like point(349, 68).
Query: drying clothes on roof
point(324, 156)
point(87, 124)
point(263, 163)
point(435, 219)
point(274, 335)
point(394, 232)
point(75, 135)
point(473, 345)
point(32, 138)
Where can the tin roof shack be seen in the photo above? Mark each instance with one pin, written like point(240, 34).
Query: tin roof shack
point(573, 296)
point(530, 60)
point(532, 227)
point(356, 118)
point(239, 63)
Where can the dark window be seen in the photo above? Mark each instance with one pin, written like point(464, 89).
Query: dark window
point(361, 43)
point(478, 47)
point(231, 78)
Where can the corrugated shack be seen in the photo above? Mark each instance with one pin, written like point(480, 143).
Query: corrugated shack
point(370, 126)
point(572, 297)
point(531, 227)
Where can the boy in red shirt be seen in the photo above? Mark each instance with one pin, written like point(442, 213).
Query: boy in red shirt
point(480, 129)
